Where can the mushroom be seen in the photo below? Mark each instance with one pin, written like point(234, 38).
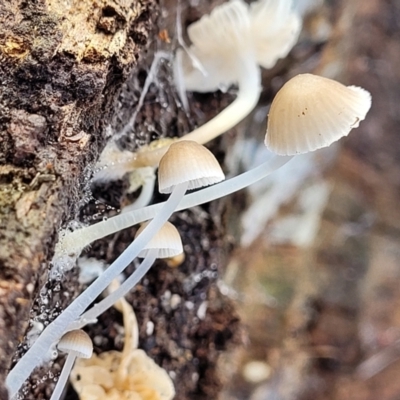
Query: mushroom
point(164, 244)
point(311, 112)
point(76, 343)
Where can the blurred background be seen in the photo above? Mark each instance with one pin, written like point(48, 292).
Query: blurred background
point(317, 275)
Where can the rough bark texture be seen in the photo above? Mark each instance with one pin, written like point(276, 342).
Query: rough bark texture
point(62, 64)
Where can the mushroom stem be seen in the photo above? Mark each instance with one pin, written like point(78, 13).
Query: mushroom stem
point(91, 315)
point(63, 378)
point(35, 355)
point(249, 83)
point(85, 236)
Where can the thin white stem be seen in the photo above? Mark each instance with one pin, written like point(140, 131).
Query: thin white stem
point(87, 235)
point(35, 355)
point(248, 94)
point(91, 315)
point(63, 378)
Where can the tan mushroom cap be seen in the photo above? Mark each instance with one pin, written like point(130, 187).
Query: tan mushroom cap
point(167, 241)
point(311, 112)
point(78, 342)
point(188, 161)
point(225, 29)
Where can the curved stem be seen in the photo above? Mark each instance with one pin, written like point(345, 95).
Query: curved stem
point(92, 314)
point(35, 355)
point(131, 342)
point(145, 196)
point(87, 235)
point(249, 92)
point(63, 378)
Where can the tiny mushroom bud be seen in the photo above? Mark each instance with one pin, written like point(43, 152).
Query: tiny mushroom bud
point(311, 112)
point(175, 261)
point(76, 343)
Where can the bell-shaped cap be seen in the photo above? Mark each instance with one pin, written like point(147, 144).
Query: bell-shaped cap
point(167, 241)
point(77, 342)
point(188, 161)
point(311, 112)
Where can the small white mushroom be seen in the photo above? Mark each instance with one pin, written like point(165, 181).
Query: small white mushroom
point(167, 241)
point(187, 161)
point(76, 343)
point(311, 112)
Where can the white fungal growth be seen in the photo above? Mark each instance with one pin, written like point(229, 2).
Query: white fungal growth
point(119, 375)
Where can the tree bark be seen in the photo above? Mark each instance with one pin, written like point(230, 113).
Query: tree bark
point(62, 63)
point(62, 66)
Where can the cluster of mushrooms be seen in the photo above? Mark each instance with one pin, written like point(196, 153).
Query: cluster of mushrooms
point(308, 113)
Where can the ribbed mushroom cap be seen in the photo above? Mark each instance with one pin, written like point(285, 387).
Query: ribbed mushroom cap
point(219, 41)
point(188, 161)
point(167, 241)
point(78, 342)
point(275, 28)
point(226, 29)
point(265, 31)
point(311, 112)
